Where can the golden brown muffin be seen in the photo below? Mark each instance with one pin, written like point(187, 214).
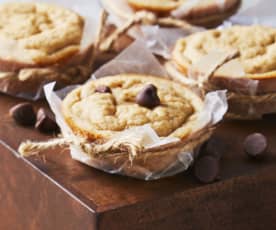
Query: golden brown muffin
point(101, 115)
point(256, 49)
point(155, 5)
point(38, 43)
point(207, 13)
point(98, 116)
point(255, 44)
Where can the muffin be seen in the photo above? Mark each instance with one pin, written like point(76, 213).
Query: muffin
point(41, 43)
point(207, 13)
point(249, 77)
point(116, 107)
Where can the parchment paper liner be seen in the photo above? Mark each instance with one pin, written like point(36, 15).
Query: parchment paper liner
point(163, 161)
point(28, 82)
point(197, 15)
point(157, 160)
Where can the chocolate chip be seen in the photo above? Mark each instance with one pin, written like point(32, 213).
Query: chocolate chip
point(206, 169)
point(45, 122)
point(23, 114)
point(148, 97)
point(214, 147)
point(102, 89)
point(255, 145)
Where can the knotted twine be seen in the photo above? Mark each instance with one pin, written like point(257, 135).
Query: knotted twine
point(119, 143)
point(140, 17)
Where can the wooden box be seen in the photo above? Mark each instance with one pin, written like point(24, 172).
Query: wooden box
point(52, 191)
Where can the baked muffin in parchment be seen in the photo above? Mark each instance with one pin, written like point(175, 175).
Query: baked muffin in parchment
point(102, 109)
point(41, 43)
point(207, 13)
point(249, 77)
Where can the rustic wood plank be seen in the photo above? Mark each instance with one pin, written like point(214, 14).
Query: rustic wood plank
point(243, 199)
point(31, 200)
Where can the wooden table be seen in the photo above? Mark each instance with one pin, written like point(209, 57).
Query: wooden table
point(52, 191)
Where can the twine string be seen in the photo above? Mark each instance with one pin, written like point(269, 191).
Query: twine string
point(145, 18)
point(117, 144)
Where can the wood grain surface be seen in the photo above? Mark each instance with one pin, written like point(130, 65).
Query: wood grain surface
point(52, 191)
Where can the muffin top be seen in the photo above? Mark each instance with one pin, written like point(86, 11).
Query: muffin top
point(155, 5)
point(256, 46)
point(192, 8)
point(104, 107)
point(38, 33)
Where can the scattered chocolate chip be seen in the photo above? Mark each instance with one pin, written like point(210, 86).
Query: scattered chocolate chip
point(214, 147)
point(199, 151)
point(206, 169)
point(23, 114)
point(148, 97)
point(45, 122)
point(255, 145)
point(103, 89)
